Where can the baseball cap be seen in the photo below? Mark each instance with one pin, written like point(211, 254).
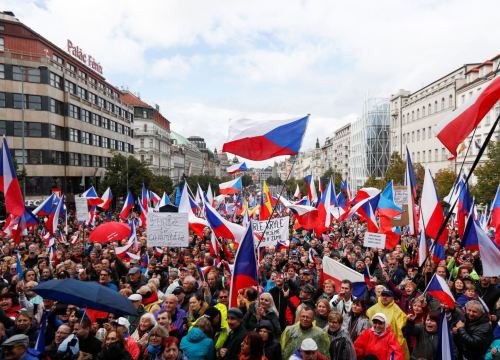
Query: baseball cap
point(387, 292)
point(379, 317)
point(135, 297)
point(235, 312)
point(178, 290)
point(308, 345)
point(122, 322)
point(133, 270)
point(19, 339)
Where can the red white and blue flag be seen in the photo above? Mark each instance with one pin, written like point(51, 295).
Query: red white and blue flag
point(297, 193)
point(128, 205)
point(155, 198)
point(231, 187)
point(311, 189)
point(9, 185)
point(91, 195)
point(265, 139)
point(495, 216)
point(244, 273)
point(45, 208)
point(196, 224)
point(344, 188)
point(145, 198)
point(53, 221)
point(454, 129)
point(439, 289)
point(337, 272)
point(222, 227)
point(476, 239)
point(431, 210)
point(445, 345)
point(463, 207)
point(106, 199)
point(236, 168)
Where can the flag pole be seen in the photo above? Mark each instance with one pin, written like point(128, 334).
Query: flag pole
point(473, 167)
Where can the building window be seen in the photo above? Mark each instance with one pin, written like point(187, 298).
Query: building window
point(2, 99)
point(57, 59)
point(35, 157)
point(71, 67)
point(20, 156)
point(435, 106)
point(112, 126)
point(423, 134)
point(442, 104)
point(92, 98)
point(70, 87)
point(418, 113)
point(81, 92)
point(450, 101)
point(418, 135)
point(112, 144)
point(436, 155)
point(56, 106)
point(18, 101)
point(429, 132)
point(85, 138)
point(73, 111)
point(85, 160)
point(142, 143)
point(413, 136)
point(105, 123)
point(20, 73)
point(57, 157)
point(33, 102)
point(2, 71)
point(429, 109)
point(423, 111)
point(85, 115)
point(74, 159)
point(444, 157)
point(412, 115)
point(105, 142)
point(74, 135)
point(33, 129)
point(2, 44)
point(56, 81)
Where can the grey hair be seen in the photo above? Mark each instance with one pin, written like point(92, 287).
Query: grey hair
point(475, 303)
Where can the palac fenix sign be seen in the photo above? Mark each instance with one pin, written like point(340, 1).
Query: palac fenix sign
point(88, 60)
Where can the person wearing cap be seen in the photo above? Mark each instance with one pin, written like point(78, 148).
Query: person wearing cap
point(308, 350)
point(396, 318)
point(272, 348)
point(122, 326)
point(136, 300)
point(232, 345)
point(379, 341)
point(135, 279)
point(16, 348)
point(294, 334)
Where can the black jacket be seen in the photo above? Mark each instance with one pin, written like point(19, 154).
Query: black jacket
point(427, 343)
point(233, 343)
point(474, 338)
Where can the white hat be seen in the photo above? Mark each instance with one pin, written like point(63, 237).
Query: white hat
point(122, 322)
point(308, 345)
point(380, 316)
point(135, 297)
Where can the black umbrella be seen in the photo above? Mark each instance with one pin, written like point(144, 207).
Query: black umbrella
point(85, 294)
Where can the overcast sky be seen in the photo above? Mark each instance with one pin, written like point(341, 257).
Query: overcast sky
point(205, 62)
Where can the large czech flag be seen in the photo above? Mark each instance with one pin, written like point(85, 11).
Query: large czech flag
point(230, 187)
point(337, 272)
point(495, 215)
point(222, 227)
point(265, 139)
point(439, 289)
point(431, 210)
point(236, 168)
point(245, 267)
point(9, 185)
point(454, 129)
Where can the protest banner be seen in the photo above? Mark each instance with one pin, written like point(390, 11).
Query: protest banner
point(277, 230)
point(374, 240)
point(82, 209)
point(167, 229)
point(401, 199)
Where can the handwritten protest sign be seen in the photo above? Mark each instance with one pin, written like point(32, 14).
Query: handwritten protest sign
point(82, 209)
point(167, 229)
point(277, 230)
point(374, 240)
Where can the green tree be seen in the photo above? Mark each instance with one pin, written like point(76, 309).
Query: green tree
point(420, 174)
point(160, 184)
point(203, 180)
point(396, 170)
point(488, 175)
point(247, 180)
point(274, 181)
point(116, 175)
point(337, 179)
point(444, 180)
point(372, 181)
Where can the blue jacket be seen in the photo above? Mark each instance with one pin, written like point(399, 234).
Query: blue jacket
point(197, 346)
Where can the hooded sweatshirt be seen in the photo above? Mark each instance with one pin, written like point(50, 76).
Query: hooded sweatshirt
point(196, 345)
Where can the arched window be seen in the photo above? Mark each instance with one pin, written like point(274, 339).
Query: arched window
point(423, 111)
point(442, 104)
point(429, 109)
point(418, 113)
point(436, 106)
point(450, 101)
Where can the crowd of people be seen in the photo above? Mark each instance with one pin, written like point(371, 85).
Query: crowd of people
point(183, 309)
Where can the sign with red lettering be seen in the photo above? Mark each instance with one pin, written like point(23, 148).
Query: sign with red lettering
point(88, 60)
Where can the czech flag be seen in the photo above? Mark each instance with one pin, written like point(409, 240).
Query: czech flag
point(386, 205)
point(454, 129)
point(196, 224)
point(464, 205)
point(222, 227)
point(145, 198)
point(155, 198)
point(236, 168)
point(445, 347)
point(266, 208)
point(344, 187)
point(267, 139)
point(231, 187)
point(45, 208)
point(9, 185)
point(431, 210)
point(311, 189)
point(210, 195)
point(306, 216)
point(165, 200)
point(337, 272)
point(495, 215)
point(325, 208)
point(53, 221)
point(297, 193)
point(439, 289)
point(411, 190)
point(91, 195)
point(245, 267)
point(366, 211)
point(106, 199)
point(127, 206)
point(476, 239)
point(365, 193)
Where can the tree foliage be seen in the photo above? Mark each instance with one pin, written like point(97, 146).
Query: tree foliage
point(444, 180)
point(203, 180)
point(488, 175)
point(396, 170)
point(337, 179)
point(274, 181)
point(374, 182)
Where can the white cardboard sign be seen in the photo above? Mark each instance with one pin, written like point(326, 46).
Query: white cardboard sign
point(277, 230)
point(167, 229)
point(82, 209)
point(374, 240)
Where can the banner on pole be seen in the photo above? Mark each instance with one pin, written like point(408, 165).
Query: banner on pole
point(167, 229)
point(277, 230)
point(82, 209)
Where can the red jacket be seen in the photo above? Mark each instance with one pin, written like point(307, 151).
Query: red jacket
point(381, 346)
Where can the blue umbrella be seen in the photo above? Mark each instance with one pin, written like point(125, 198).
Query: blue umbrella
point(85, 294)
